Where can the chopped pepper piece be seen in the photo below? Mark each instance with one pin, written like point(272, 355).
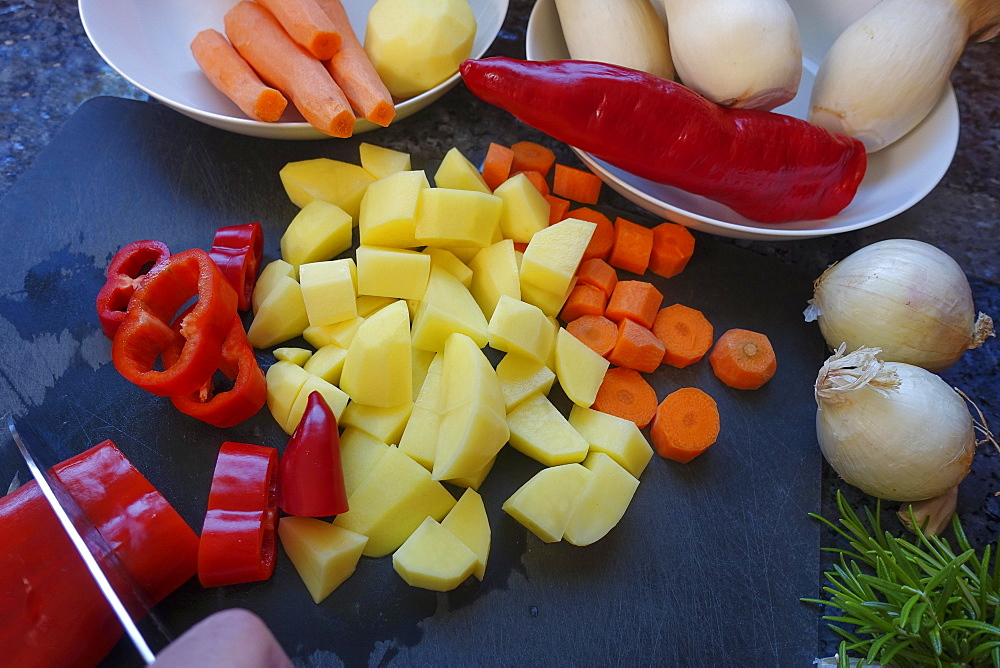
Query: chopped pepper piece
point(238, 250)
point(312, 476)
point(126, 271)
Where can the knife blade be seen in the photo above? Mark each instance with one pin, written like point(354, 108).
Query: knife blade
point(127, 599)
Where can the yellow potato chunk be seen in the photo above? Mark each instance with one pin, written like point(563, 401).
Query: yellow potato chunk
point(476, 479)
point(389, 210)
point(284, 382)
point(521, 328)
point(319, 231)
point(359, 452)
point(525, 210)
point(603, 502)
point(335, 398)
point(329, 290)
point(520, 377)
point(268, 278)
point(448, 217)
point(380, 161)
point(538, 430)
point(333, 181)
point(392, 272)
point(580, 370)
point(494, 274)
point(327, 363)
point(324, 555)
point(469, 523)
point(616, 437)
point(338, 334)
point(433, 558)
point(447, 307)
point(297, 356)
point(546, 502)
point(384, 423)
point(449, 262)
point(553, 255)
point(420, 435)
point(457, 172)
point(377, 369)
point(281, 315)
point(367, 304)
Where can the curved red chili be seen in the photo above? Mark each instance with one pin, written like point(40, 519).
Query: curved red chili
point(238, 250)
point(126, 271)
point(768, 167)
point(312, 476)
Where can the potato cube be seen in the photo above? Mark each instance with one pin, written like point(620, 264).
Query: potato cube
point(384, 423)
point(420, 435)
point(284, 382)
point(546, 502)
point(449, 262)
point(329, 290)
point(580, 370)
point(389, 210)
point(434, 558)
point(324, 555)
point(449, 217)
point(327, 363)
point(367, 304)
point(335, 398)
point(377, 370)
point(339, 334)
point(614, 436)
point(517, 327)
point(474, 480)
point(538, 430)
point(319, 231)
point(553, 255)
point(422, 360)
point(603, 502)
point(380, 161)
point(525, 210)
point(520, 377)
point(359, 452)
point(333, 181)
point(392, 272)
point(268, 278)
point(469, 523)
point(281, 316)
point(297, 356)
point(457, 172)
point(447, 307)
point(495, 273)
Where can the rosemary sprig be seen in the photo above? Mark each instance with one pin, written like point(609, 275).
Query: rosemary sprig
point(916, 603)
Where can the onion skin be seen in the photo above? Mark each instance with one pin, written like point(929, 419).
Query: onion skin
point(906, 297)
point(908, 444)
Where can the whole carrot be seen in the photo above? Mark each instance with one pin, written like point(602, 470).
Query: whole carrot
point(765, 166)
point(282, 63)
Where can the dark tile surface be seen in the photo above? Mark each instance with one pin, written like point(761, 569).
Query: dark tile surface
point(48, 68)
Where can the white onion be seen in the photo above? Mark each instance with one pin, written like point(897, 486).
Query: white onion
point(894, 431)
point(906, 297)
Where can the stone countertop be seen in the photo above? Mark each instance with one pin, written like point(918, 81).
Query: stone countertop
point(48, 68)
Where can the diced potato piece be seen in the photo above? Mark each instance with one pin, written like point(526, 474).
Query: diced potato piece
point(476, 479)
point(338, 334)
point(468, 521)
point(319, 231)
point(494, 273)
point(392, 501)
point(538, 430)
point(384, 423)
point(335, 398)
point(284, 382)
point(297, 356)
point(614, 436)
point(389, 210)
point(457, 172)
point(367, 304)
point(604, 500)
point(327, 363)
point(380, 161)
point(333, 181)
point(449, 217)
point(553, 255)
point(467, 375)
point(419, 439)
point(545, 504)
point(329, 290)
point(324, 555)
point(414, 46)
point(525, 210)
point(377, 370)
point(551, 303)
point(517, 327)
point(520, 377)
point(268, 278)
point(422, 360)
point(447, 307)
point(580, 370)
point(449, 262)
point(281, 316)
point(359, 452)
point(434, 558)
point(392, 272)
point(465, 253)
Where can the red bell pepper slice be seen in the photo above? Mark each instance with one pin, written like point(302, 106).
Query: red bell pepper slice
point(51, 611)
point(146, 333)
point(247, 395)
point(312, 476)
point(126, 271)
point(238, 250)
point(238, 539)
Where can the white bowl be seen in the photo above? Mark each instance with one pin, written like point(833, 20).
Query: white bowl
point(147, 42)
point(897, 177)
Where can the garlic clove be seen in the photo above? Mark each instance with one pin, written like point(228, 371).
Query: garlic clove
point(932, 515)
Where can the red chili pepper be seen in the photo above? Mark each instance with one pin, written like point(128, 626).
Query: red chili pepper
point(51, 611)
point(238, 540)
point(312, 477)
point(146, 333)
point(765, 166)
point(247, 395)
point(238, 251)
point(127, 270)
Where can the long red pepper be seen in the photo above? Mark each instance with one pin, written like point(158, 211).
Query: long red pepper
point(312, 476)
point(238, 538)
point(126, 271)
point(768, 167)
point(51, 611)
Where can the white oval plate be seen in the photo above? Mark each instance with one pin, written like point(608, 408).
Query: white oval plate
point(897, 177)
point(147, 42)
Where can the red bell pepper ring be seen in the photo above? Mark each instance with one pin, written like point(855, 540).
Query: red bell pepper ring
point(238, 539)
point(146, 332)
point(312, 476)
point(51, 611)
point(238, 250)
point(126, 271)
point(247, 395)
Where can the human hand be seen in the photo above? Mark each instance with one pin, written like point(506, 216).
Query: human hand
point(227, 639)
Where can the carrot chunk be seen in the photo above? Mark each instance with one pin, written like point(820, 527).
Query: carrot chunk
point(632, 247)
point(625, 393)
point(282, 63)
point(583, 300)
point(307, 24)
point(685, 425)
point(535, 177)
point(686, 334)
point(743, 359)
point(234, 78)
point(596, 331)
point(557, 208)
point(354, 72)
point(636, 348)
point(635, 300)
point(497, 165)
point(529, 156)
point(673, 246)
point(604, 234)
point(598, 273)
point(576, 184)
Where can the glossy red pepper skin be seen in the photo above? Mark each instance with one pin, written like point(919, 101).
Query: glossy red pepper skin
point(146, 332)
point(312, 476)
point(126, 271)
point(765, 166)
point(238, 250)
point(51, 611)
point(243, 400)
point(238, 539)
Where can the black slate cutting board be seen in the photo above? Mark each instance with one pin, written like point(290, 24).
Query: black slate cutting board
point(706, 568)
